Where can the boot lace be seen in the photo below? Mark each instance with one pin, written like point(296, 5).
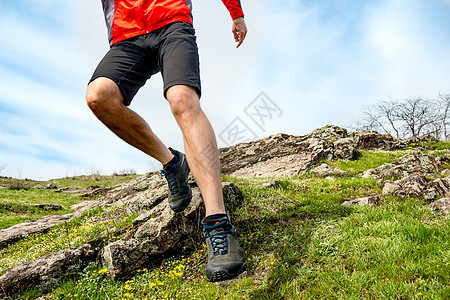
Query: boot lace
point(171, 177)
point(218, 239)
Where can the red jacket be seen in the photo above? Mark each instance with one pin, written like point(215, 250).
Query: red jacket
point(129, 18)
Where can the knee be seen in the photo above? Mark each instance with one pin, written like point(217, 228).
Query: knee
point(184, 102)
point(102, 93)
point(93, 98)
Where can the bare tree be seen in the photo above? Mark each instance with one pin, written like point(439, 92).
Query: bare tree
point(411, 117)
point(444, 105)
point(417, 115)
point(380, 117)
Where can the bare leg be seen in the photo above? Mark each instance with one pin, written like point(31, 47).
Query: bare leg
point(106, 102)
point(200, 145)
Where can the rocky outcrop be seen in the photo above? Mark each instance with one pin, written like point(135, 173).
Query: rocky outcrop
point(417, 186)
point(160, 231)
point(47, 271)
point(286, 155)
point(90, 191)
point(48, 206)
point(442, 204)
point(410, 164)
point(14, 233)
point(371, 140)
point(156, 232)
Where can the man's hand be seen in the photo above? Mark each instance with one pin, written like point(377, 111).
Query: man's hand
point(239, 30)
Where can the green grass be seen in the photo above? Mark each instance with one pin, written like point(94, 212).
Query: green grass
point(435, 145)
point(16, 205)
point(368, 160)
point(89, 180)
point(299, 242)
point(97, 222)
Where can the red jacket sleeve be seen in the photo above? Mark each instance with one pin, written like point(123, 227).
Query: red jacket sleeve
point(234, 6)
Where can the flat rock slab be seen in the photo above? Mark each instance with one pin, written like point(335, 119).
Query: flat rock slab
point(287, 155)
point(19, 231)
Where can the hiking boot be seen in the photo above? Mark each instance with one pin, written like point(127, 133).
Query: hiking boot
point(180, 193)
point(225, 257)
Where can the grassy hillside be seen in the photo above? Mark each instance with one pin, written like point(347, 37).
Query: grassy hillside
point(18, 196)
point(299, 241)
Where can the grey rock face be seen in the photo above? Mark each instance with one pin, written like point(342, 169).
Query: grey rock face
point(409, 164)
point(159, 231)
point(371, 140)
point(417, 186)
point(286, 155)
point(47, 271)
point(155, 233)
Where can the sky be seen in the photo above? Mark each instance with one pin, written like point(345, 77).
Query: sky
point(303, 65)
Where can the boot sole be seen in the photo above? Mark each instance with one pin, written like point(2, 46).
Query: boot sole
point(186, 200)
point(222, 275)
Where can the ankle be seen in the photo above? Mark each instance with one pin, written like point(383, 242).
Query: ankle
point(216, 216)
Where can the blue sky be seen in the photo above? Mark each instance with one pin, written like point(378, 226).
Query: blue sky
point(318, 62)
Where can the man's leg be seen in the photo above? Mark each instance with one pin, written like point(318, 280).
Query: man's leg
point(106, 102)
point(225, 257)
point(200, 145)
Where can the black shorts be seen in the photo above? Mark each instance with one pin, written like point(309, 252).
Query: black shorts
point(171, 49)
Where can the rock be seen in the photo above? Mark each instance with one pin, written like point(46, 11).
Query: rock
point(441, 186)
point(390, 187)
point(369, 200)
point(346, 148)
point(286, 155)
point(157, 232)
point(51, 186)
point(39, 186)
point(271, 184)
point(94, 192)
point(69, 190)
point(14, 233)
point(49, 206)
point(412, 186)
point(330, 132)
point(325, 169)
point(442, 204)
point(445, 172)
point(47, 271)
point(370, 173)
point(371, 140)
point(410, 164)
point(416, 186)
point(90, 191)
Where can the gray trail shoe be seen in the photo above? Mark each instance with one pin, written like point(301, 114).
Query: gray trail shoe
point(225, 257)
point(180, 193)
